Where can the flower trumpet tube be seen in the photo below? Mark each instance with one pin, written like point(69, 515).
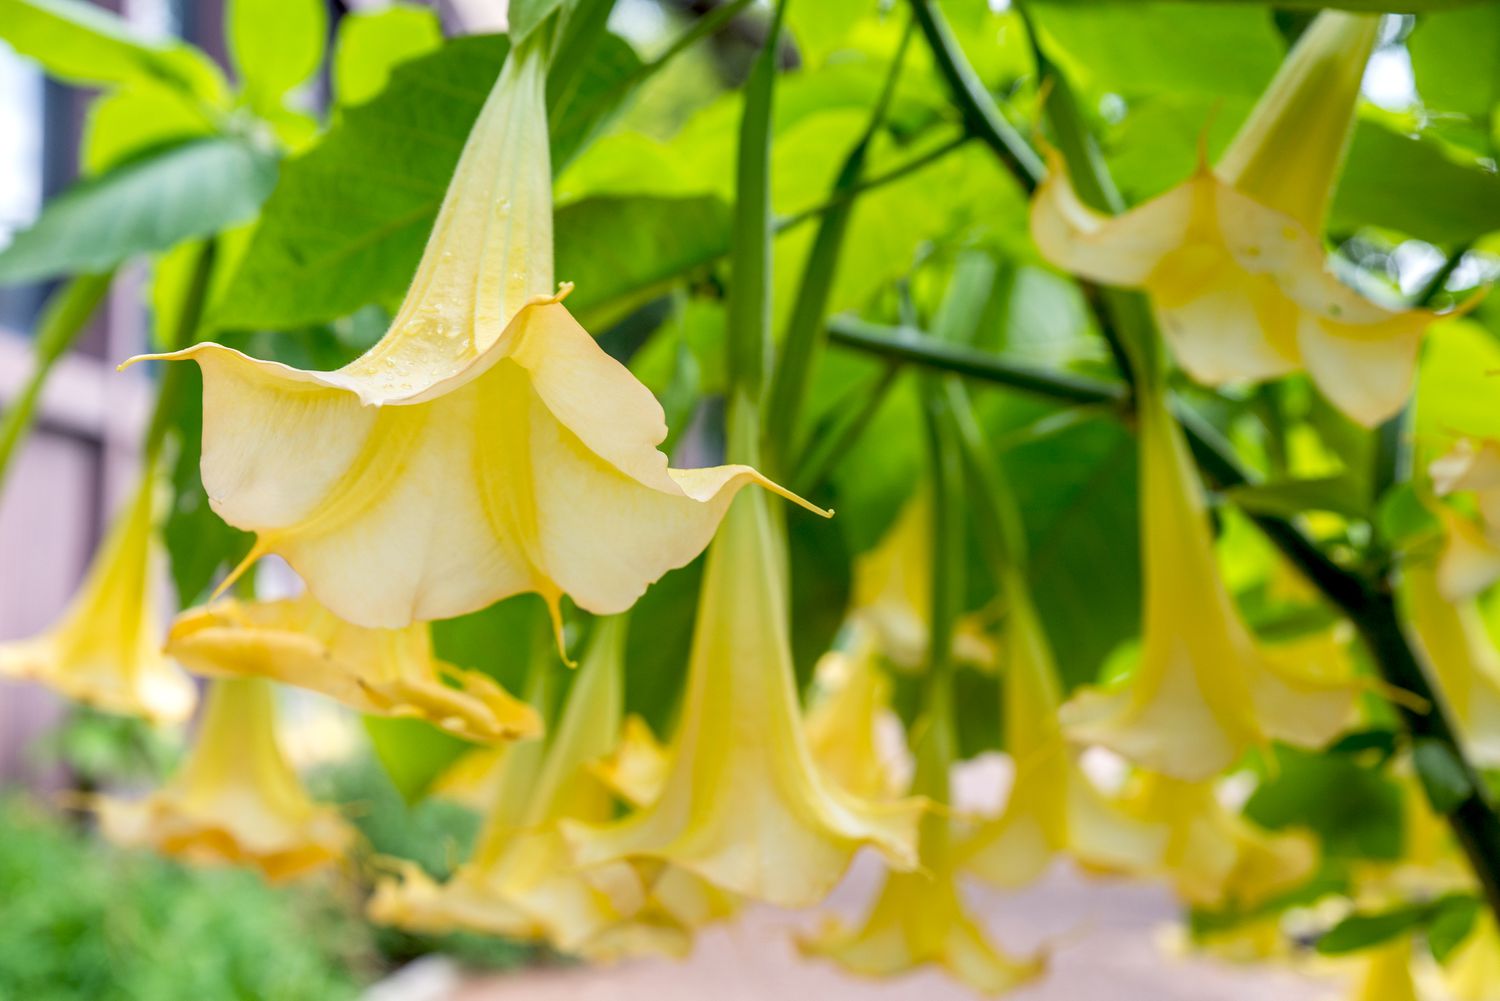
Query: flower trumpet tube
point(919, 917)
point(1203, 691)
point(485, 446)
point(384, 672)
point(742, 803)
point(1232, 258)
point(521, 881)
point(105, 650)
point(1460, 656)
point(1053, 806)
point(1471, 553)
point(235, 800)
point(843, 726)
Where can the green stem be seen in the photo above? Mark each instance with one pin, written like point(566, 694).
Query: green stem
point(748, 311)
point(803, 342)
point(701, 28)
point(1369, 604)
point(891, 176)
point(66, 316)
point(826, 450)
point(189, 322)
point(973, 100)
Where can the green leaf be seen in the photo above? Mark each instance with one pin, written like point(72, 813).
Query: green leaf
point(1443, 776)
point(1290, 498)
point(1452, 921)
point(412, 752)
point(136, 117)
point(1413, 185)
point(819, 27)
point(373, 43)
point(149, 204)
point(347, 222)
point(1361, 931)
point(526, 16)
point(1367, 6)
point(83, 43)
point(1455, 57)
point(276, 45)
point(1355, 809)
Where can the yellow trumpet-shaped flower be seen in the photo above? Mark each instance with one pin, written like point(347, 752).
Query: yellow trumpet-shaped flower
point(1053, 806)
point(1459, 655)
point(235, 800)
point(1232, 258)
point(385, 672)
point(485, 446)
point(105, 650)
point(843, 725)
point(1203, 691)
point(1386, 973)
point(919, 917)
point(743, 804)
point(1213, 856)
point(1471, 553)
point(473, 780)
point(1472, 971)
point(891, 587)
point(521, 881)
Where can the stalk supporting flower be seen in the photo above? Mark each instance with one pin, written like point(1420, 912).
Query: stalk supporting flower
point(485, 446)
point(105, 650)
point(743, 804)
point(385, 672)
point(235, 800)
point(521, 882)
point(1203, 691)
point(1053, 806)
point(1232, 258)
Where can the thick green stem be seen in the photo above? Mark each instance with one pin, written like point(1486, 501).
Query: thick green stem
point(67, 314)
point(1369, 604)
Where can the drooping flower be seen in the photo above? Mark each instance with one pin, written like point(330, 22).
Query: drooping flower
point(105, 650)
point(522, 882)
point(891, 587)
point(1386, 973)
point(1459, 655)
point(1232, 258)
point(1053, 807)
point(743, 804)
point(843, 725)
point(1471, 552)
point(485, 446)
point(235, 799)
point(1203, 691)
point(385, 672)
point(1472, 971)
point(920, 918)
point(1213, 856)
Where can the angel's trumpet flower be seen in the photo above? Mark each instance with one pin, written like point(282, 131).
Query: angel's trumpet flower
point(1213, 856)
point(843, 726)
point(891, 587)
point(1386, 973)
point(384, 672)
point(521, 882)
point(235, 800)
point(485, 446)
point(105, 650)
point(1472, 972)
point(1232, 258)
point(1471, 552)
point(1053, 806)
point(1203, 691)
point(743, 804)
point(1460, 656)
point(919, 917)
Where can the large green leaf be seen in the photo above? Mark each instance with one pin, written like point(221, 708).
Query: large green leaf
point(83, 43)
point(1455, 57)
point(347, 223)
point(276, 45)
point(146, 205)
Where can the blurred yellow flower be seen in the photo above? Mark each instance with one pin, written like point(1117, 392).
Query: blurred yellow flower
point(521, 882)
point(1232, 258)
point(1459, 655)
point(1385, 973)
point(919, 917)
point(1053, 807)
point(743, 804)
point(1471, 552)
point(235, 800)
point(485, 446)
point(1472, 971)
point(1203, 690)
point(385, 672)
point(843, 722)
point(105, 650)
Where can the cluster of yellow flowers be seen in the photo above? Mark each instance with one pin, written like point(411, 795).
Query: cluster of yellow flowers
point(487, 446)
